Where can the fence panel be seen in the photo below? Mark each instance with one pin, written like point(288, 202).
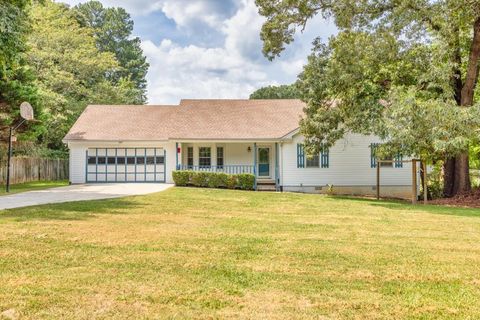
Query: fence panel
point(34, 169)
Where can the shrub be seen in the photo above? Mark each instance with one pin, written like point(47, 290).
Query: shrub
point(214, 180)
point(232, 181)
point(246, 181)
point(200, 179)
point(181, 178)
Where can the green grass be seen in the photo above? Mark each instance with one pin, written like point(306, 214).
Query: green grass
point(32, 186)
point(208, 254)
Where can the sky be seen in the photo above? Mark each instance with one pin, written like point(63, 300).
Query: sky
point(211, 48)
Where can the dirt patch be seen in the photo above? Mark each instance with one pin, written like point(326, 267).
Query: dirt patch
point(470, 200)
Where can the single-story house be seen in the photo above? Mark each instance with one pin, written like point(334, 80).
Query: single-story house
point(130, 143)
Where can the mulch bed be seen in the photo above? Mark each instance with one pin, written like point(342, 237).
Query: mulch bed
point(471, 200)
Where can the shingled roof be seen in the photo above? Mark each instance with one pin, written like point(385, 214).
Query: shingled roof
point(190, 120)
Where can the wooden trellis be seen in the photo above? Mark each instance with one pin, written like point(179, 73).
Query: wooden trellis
point(414, 177)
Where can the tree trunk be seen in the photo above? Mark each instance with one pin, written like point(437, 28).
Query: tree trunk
point(460, 166)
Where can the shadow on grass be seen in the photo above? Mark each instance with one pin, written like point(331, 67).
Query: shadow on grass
point(78, 210)
point(406, 206)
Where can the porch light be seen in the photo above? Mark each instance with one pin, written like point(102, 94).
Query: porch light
point(249, 149)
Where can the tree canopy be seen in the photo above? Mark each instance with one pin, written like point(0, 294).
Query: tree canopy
point(390, 61)
point(286, 91)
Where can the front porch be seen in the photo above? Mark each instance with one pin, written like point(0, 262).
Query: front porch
point(258, 158)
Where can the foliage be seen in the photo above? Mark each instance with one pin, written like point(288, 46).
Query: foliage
point(214, 179)
point(71, 72)
point(113, 29)
point(384, 50)
point(276, 92)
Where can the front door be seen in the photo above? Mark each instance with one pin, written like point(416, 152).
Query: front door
point(264, 162)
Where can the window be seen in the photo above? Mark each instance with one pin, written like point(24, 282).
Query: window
point(140, 160)
point(190, 156)
point(204, 157)
point(130, 160)
point(220, 156)
point(160, 160)
point(397, 160)
point(111, 160)
point(150, 160)
point(121, 160)
point(313, 161)
point(92, 160)
point(101, 160)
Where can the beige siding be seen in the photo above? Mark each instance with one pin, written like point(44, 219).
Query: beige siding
point(349, 165)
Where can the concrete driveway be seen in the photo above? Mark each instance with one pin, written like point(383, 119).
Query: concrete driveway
point(79, 193)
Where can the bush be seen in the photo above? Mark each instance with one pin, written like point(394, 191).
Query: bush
point(214, 180)
point(181, 178)
point(246, 181)
point(200, 179)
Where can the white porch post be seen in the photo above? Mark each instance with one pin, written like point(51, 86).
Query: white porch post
point(255, 163)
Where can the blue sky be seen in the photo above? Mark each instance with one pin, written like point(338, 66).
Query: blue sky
point(211, 48)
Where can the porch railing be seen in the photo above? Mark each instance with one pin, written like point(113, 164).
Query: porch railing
point(230, 169)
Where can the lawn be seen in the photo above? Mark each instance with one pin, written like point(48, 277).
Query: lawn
point(32, 186)
point(200, 253)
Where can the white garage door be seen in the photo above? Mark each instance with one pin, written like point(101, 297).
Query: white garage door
point(125, 165)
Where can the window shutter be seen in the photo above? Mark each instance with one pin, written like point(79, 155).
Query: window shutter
point(373, 155)
point(300, 156)
point(398, 161)
point(324, 156)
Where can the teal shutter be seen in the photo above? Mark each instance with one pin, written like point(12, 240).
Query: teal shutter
point(324, 157)
point(398, 161)
point(300, 156)
point(373, 155)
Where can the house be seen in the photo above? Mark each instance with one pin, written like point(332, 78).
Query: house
point(147, 143)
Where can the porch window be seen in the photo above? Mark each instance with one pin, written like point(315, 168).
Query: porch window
point(205, 156)
point(220, 157)
point(190, 156)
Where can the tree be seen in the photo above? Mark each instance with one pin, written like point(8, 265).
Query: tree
point(71, 71)
point(276, 92)
point(113, 33)
point(414, 29)
point(16, 79)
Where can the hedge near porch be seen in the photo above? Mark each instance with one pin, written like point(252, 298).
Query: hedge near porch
point(244, 181)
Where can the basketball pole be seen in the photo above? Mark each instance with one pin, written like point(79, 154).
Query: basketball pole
point(10, 151)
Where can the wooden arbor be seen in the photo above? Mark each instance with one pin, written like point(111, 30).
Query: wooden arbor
point(414, 177)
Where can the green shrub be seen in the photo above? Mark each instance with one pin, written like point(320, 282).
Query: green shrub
point(246, 181)
point(214, 180)
point(200, 179)
point(232, 181)
point(181, 178)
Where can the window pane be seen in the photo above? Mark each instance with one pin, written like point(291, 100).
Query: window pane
point(204, 156)
point(161, 160)
point(121, 160)
point(150, 160)
point(190, 156)
point(219, 156)
point(111, 160)
point(313, 162)
point(101, 160)
point(131, 160)
point(140, 160)
point(92, 160)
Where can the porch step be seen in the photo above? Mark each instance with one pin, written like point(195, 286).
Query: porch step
point(266, 187)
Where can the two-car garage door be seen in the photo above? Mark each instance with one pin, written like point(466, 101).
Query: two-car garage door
point(125, 165)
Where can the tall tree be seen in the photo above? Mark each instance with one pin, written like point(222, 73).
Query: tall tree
point(286, 91)
point(71, 71)
point(16, 79)
point(113, 33)
point(450, 26)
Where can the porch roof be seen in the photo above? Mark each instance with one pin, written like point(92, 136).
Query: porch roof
point(190, 120)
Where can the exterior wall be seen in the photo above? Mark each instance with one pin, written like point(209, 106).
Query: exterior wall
point(349, 170)
point(78, 156)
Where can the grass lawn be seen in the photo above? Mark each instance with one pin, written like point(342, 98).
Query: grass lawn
point(32, 186)
point(199, 253)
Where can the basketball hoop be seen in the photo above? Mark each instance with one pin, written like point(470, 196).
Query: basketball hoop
point(26, 111)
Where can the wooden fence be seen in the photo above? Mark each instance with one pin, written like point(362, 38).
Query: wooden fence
point(34, 169)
